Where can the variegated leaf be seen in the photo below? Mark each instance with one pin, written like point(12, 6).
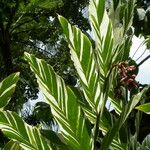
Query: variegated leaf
point(11, 145)
point(128, 14)
point(84, 62)
point(7, 87)
point(87, 68)
point(104, 124)
point(63, 102)
point(103, 35)
point(29, 138)
point(101, 59)
point(110, 136)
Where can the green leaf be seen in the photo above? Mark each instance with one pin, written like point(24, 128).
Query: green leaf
point(46, 4)
point(134, 144)
point(105, 122)
point(84, 62)
point(116, 104)
point(7, 87)
point(123, 116)
point(11, 145)
point(146, 143)
point(145, 108)
point(26, 136)
point(54, 137)
point(64, 105)
point(128, 15)
point(103, 35)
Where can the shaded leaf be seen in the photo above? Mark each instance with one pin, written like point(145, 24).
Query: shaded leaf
point(146, 143)
point(11, 145)
point(53, 137)
point(123, 116)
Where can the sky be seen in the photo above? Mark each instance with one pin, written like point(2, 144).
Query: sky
point(144, 70)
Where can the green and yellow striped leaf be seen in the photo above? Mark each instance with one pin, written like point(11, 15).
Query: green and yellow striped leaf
point(11, 145)
point(7, 87)
point(29, 138)
point(126, 110)
point(84, 62)
point(103, 35)
point(64, 105)
point(104, 124)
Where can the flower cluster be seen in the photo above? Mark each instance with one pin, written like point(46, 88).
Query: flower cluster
point(126, 75)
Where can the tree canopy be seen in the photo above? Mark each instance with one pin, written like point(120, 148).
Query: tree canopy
point(100, 62)
point(29, 25)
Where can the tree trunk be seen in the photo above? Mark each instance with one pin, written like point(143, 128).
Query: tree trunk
point(5, 48)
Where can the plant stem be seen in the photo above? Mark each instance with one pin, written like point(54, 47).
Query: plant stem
point(100, 112)
point(126, 95)
point(143, 60)
point(96, 130)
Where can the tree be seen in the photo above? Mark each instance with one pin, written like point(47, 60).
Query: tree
point(14, 16)
point(99, 68)
point(27, 26)
point(142, 18)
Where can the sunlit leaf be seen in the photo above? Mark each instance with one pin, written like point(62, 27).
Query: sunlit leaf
point(141, 13)
point(103, 35)
point(16, 129)
point(7, 87)
point(145, 108)
point(11, 145)
point(84, 62)
point(64, 105)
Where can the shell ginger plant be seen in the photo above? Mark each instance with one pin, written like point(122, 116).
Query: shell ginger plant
point(84, 122)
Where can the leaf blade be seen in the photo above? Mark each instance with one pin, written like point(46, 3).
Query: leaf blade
point(16, 129)
point(7, 87)
point(144, 108)
point(63, 103)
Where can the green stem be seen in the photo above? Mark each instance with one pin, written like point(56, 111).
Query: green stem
point(96, 130)
point(126, 95)
point(100, 112)
point(143, 60)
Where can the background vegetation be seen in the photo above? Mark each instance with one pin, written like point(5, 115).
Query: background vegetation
point(33, 26)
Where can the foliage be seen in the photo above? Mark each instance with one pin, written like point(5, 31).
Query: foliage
point(142, 18)
point(39, 114)
point(16, 17)
point(31, 26)
point(81, 114)
point(7, 87)
point(145, 108)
